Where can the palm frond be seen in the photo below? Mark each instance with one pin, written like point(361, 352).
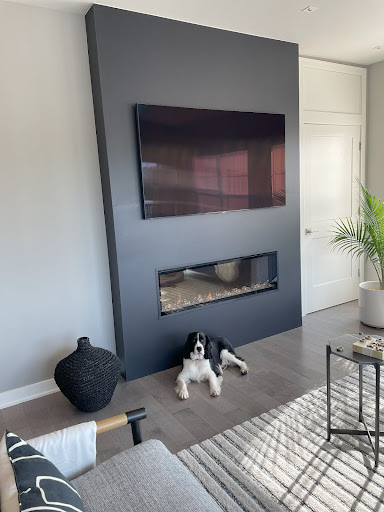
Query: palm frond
point(366, 235)
point(354, 239)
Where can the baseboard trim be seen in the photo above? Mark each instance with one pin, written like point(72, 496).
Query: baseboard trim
point(26, 393)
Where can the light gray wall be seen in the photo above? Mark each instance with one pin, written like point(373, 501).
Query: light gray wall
point(375, 138)
point(54, 271)
point(375, 129)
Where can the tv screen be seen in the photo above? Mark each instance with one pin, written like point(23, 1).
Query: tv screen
point(202, 161)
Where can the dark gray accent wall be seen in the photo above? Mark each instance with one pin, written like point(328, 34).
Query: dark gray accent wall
point(136, 58)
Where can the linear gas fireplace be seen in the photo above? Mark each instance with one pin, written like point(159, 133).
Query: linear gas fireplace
point(190, 287)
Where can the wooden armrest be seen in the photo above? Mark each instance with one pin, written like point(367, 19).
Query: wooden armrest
point(131, 417)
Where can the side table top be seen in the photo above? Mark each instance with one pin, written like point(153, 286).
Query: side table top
point(346, 341)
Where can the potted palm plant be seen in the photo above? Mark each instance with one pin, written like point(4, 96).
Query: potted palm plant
point(365, 237)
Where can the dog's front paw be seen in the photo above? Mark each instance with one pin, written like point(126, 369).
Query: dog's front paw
point(244, 370)
point(215, 391)
point(183, 394)
point(220, 380)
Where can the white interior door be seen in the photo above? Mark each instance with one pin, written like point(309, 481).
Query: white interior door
point(331, 162)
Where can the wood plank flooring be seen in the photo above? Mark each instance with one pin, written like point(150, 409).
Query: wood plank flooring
point(282, 368)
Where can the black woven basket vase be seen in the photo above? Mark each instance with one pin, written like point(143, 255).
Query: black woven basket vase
point(88, 376)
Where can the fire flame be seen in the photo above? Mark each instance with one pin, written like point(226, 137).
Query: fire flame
point(181, 303)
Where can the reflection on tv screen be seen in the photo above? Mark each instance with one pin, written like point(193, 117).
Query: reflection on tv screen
point(201, 161)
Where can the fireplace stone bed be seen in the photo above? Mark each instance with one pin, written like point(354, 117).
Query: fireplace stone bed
point(189, 287)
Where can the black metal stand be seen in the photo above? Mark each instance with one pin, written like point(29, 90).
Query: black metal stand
point(357, 432)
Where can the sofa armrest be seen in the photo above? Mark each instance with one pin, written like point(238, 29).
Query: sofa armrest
point(128, 418)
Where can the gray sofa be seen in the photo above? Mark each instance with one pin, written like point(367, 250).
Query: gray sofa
point(145, 478)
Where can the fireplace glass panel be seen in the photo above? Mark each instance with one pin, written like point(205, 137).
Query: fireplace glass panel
point(198, 285)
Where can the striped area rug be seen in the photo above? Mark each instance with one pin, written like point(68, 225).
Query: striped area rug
point(282, 461)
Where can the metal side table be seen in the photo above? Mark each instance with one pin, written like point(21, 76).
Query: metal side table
point(362, 360)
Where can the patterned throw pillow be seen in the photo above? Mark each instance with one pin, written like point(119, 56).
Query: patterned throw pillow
point(40, 485)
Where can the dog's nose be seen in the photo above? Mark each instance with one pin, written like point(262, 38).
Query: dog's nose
point(199, 349)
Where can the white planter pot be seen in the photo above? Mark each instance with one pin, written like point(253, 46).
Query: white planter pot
point(371, 304)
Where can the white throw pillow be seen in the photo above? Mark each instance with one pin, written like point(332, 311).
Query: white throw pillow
point(72, 450)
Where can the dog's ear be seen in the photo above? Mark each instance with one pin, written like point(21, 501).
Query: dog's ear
point(188, 346)
point(208, 347)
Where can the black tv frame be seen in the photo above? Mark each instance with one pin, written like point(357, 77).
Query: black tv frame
point(140, 158)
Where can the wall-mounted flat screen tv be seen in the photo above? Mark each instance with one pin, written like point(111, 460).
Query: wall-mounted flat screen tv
point(203, 161)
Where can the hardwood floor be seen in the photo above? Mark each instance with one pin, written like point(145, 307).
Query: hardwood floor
point(282, 368)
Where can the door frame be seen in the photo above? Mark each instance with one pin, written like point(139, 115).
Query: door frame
point(330, 118)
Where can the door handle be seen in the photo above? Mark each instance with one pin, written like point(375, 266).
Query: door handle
point(308, 231)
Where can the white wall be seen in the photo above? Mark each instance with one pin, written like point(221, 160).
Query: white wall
point(54, 277)
point(375, 138)
point(375, 133)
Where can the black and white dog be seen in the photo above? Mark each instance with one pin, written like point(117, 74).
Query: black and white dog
point(205, 358)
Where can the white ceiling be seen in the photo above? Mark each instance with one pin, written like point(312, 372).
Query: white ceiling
point(339, 30)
